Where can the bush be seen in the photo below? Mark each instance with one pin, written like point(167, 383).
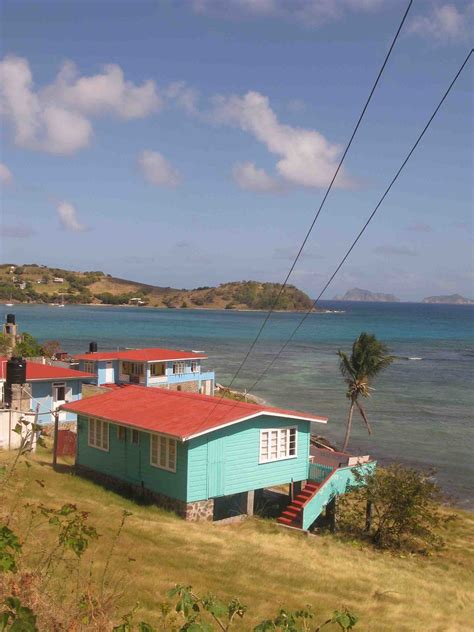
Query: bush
point(404, 506)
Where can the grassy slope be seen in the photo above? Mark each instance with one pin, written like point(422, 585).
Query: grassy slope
point(267, 567)
point(157, 296)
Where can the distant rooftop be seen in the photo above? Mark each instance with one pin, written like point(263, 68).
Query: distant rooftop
point(38, 371)
point(150, 354)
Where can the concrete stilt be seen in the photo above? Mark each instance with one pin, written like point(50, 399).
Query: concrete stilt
point(250, 502)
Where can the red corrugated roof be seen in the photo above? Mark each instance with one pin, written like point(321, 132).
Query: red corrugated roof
point(178, 414)
point(150, 354)
point(37, 371)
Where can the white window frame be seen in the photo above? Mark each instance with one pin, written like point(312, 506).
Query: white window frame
point(179, 367)
point(92, 434)
point(89, 366)
point(162, 441)
point(283, 437)
point(195, 366)
point(154, 365)
point(132, 368)
point(55, 387)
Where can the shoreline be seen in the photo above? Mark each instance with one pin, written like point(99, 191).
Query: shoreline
point(189, 309)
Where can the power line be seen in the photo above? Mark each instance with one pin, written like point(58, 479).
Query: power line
point(303, 244)
point(363, 229)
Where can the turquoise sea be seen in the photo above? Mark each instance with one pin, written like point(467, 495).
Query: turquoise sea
point(422, 411)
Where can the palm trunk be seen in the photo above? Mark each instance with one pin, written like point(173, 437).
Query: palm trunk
point(349, 426)
point(364, 417)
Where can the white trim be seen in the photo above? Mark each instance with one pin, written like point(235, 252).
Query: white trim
point(321, 420)
point(93, 445)
point(160, 436)
point(262, 461)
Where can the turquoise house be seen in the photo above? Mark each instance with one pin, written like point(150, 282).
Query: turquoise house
point(187, 452)
point(156, 367)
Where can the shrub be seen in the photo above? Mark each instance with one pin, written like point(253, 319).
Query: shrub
point(403, 503)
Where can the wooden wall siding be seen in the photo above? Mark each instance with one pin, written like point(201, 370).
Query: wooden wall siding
point(131, 462)
point(227, 461)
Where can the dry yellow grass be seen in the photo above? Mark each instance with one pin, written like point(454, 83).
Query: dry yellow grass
point(267, 567)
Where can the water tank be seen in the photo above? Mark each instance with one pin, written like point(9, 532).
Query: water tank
point(92, 347)
point(11, 319)
point(16, 371)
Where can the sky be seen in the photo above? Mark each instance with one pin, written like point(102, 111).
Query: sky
point(188, 143)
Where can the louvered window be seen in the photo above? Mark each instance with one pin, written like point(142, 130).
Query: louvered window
point(277, 444)
point(163, 452)
point(99, 434)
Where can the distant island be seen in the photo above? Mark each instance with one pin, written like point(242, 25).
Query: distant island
point(34, 283)
point(356, 294)
point(451, 299)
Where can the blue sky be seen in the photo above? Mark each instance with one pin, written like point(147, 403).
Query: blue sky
point(189, 143)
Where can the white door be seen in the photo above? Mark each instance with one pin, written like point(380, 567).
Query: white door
point(59, 398)
point(109, 372)
point(206, 387)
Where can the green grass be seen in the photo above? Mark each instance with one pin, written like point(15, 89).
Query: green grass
point(265, 566)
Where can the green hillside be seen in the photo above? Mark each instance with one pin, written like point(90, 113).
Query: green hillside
point(266, 567)
point(42, 284)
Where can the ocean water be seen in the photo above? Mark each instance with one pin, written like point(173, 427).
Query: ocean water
point(422, 411)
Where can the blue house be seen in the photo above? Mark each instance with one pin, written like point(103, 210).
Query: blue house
point(193, 453)
point(164, 368)
point(48, 386)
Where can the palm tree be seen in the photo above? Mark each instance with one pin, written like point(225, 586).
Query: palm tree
point(368, 358)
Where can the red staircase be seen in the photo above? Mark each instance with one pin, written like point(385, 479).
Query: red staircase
point(293, 514)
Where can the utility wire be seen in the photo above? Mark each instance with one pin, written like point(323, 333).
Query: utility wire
point(308, 233)
point(310, 229)
point(363, 229)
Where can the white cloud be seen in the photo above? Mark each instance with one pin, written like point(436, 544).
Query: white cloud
point(289, 253)
point(445, 23)
point(396, 250)
point(106, 92)
point(68, 217)
point(157, 170)
point(56, 119)
point(307, 158)
point(420, 227)
point(16, 231)
point(309, 12)
point(6, 176)
point(250, 178)
point(183, 95)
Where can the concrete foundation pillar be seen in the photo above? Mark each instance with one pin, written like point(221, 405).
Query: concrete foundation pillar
point(250, 503)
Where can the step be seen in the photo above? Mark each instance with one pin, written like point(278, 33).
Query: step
point(282, 520)
point(290, 514)
point(299, 503)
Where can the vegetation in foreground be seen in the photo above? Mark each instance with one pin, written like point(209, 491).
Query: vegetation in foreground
point(140, 552)
point(35, 283)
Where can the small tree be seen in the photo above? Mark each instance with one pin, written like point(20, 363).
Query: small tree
point(51, 348)
point(403, 508)
point(5, 344)
point(28, 347)
point(368, 358)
